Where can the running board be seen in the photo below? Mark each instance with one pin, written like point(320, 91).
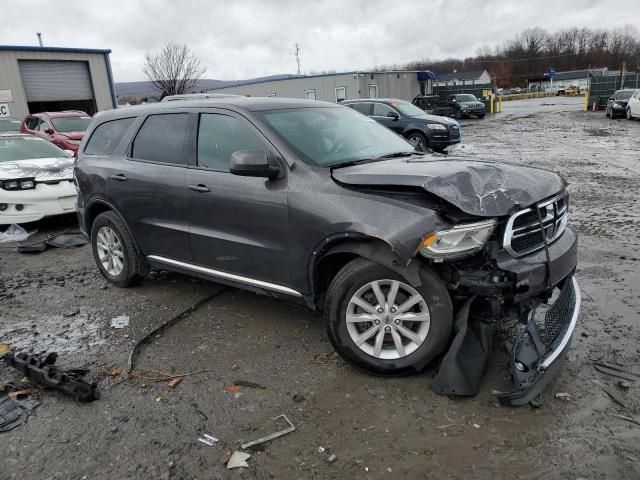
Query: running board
point(227, 276)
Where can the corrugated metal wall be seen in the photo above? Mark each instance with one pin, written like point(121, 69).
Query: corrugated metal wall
point(10, 77)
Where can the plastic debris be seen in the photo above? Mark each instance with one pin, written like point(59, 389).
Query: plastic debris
point(4, 348)
point(331, 458)
point(208, 440)
point(14, 413)
point(120, 322)
point(18, 394)
point(563, 396)
point(15, 233)
point(41, 369)
point(238, 459)
point(614, 371)
point(289, 429)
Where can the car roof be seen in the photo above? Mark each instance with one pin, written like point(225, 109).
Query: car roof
point(196, 96)
point(375, 100)
point(252, 104)
point(65, 113)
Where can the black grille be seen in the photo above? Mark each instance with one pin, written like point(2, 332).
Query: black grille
point(455, 132)
point(559, 315)
point(525, 234)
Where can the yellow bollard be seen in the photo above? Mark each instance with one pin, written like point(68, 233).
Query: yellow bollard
point(492, 99)
point(586, 101)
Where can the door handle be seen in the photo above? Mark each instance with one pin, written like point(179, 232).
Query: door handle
point(199, 188)
point(120, 177)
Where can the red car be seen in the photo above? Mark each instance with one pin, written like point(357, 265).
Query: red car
point(64, 129)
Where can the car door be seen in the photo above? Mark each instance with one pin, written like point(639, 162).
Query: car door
point(381, 114)
point(237, 224)
point(634, 104)
point(147, 185)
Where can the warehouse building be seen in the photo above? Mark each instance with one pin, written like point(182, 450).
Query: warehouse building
point(336, 87)
point(562, 80)
point(477, 77)
point(37, 79)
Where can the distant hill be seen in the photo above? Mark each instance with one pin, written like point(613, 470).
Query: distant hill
point(145, 89)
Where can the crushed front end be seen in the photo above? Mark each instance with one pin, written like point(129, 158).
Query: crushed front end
point(524, 275)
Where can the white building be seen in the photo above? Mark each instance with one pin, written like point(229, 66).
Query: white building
point(564, 80)
point(477, 77)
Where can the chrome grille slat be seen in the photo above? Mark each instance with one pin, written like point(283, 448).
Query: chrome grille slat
point(520, 240)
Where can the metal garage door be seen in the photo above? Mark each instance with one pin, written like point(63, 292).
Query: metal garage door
point(50, 81)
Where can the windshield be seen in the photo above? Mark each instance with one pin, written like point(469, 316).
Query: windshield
point(407, 108)
point(71, 124)
point(624, 95)
point(328, 137)
point(28, 148)
point(9, 125)
point(467, 98)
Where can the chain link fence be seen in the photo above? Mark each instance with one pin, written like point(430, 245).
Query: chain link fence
point(601, 88)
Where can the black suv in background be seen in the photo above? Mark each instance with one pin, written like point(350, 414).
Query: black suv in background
point(465, 104)
point(418, 127)
point(318, 204)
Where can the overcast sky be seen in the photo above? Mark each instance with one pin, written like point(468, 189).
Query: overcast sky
point(239, 39)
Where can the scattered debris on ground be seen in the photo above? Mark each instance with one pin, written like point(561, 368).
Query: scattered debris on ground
point(121, 321)
point(238, 459)
point(14, 233)
point(40, 369)
point(244, 383)
point(14, 413)
point(208, 440)
point(267, 438)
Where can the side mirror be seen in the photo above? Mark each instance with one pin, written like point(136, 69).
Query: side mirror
point(393, 115)
point(48, 131)
point(253, 163)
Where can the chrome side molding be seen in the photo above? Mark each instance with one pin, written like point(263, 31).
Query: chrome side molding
point(226, 275)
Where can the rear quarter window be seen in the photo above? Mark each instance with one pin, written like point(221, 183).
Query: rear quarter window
point(161, 139)
point(106, 137)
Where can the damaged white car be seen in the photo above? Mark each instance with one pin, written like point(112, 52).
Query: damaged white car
point(36, 179)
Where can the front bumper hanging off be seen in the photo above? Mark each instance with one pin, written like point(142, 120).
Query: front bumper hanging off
point(542, 345)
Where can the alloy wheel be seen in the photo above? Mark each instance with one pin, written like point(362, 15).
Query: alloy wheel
point(110, 251)
point(388, 319)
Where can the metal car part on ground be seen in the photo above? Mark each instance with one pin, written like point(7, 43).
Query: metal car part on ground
point(321, 205)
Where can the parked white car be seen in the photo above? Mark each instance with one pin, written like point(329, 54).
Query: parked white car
point(633, 106)
point(36, 179)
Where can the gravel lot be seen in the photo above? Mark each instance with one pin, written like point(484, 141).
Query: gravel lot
point(378, 428)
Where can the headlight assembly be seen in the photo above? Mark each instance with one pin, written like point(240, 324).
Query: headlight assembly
point(18, 184)
point(457, 242)
point(436, 126)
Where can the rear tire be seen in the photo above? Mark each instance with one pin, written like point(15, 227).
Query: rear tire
point(114, 251)
point(421, 339)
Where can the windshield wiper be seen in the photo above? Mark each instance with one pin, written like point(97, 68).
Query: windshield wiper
point(400, 154)
point(360, 161)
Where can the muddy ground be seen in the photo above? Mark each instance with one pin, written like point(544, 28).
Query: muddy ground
point(378, 428)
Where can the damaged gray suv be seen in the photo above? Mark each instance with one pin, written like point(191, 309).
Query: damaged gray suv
point(317, 204)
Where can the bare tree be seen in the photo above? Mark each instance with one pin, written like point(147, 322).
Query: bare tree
point(173, 71)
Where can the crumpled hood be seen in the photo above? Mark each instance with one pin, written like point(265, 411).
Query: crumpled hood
point(41, 168)
point(478, 188)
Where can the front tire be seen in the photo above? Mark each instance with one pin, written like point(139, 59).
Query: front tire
point(418, 140)
point(114, 251)
point(380, 323)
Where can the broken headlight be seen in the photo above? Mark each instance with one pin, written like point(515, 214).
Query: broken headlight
point(458, 241)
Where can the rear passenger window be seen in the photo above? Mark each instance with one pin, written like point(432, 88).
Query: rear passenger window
point(363, 108)
point(106, 137)
point(161, 139)
point(221, 135)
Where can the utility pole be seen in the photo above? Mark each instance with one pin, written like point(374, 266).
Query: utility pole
point(39, 38)
point(624, 67)
point(298, 57)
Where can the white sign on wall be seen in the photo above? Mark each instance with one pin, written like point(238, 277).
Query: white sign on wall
point(5, 96)
point(4, 110)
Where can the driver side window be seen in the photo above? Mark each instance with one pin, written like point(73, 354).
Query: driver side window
point(42, 126)
point(221, 135)
point(382, 110)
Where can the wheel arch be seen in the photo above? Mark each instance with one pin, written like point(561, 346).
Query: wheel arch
point(338, 250)
point(99, 206)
